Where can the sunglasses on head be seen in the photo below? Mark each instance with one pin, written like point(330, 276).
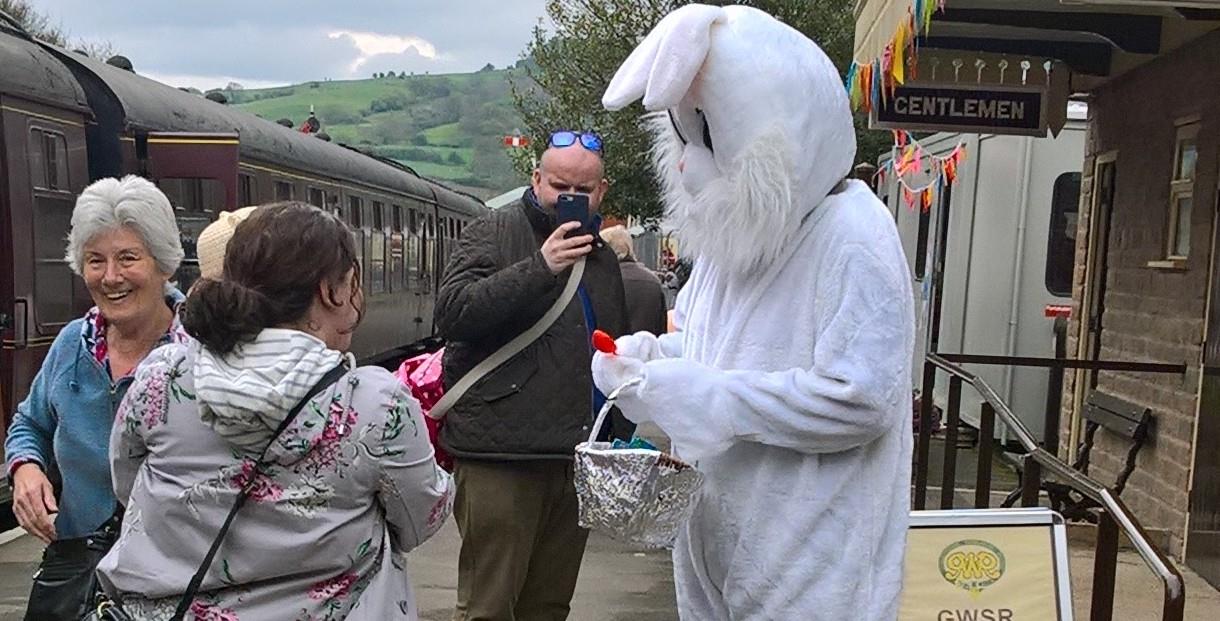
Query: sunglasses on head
point(567, 138)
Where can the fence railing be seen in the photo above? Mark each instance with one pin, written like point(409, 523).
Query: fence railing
point(1112, 515)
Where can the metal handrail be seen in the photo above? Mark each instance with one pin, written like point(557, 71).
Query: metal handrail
point(1171, 578)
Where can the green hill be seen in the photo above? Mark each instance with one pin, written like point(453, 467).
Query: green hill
point(450, 127)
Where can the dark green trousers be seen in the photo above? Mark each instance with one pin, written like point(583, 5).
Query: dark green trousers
point(521, 546)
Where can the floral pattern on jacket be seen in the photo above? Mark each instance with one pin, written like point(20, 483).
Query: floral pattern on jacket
point(348, 487)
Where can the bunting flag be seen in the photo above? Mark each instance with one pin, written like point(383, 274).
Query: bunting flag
point(909, 158)
point(872, 81)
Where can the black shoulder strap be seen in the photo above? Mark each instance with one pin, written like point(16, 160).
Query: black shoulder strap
point(184, 605)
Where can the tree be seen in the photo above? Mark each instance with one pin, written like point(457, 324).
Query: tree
point(234, 86)
point(454, 159)
point(42, 27)
point(487, 67)
point(567, 67)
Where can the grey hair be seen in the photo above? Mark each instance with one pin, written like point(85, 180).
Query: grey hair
point(619, 241)
point(132, 202)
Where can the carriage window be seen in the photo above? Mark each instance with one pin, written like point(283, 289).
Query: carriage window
point(317, 197)
point(396, 248)
point(283, 191)
point(48, 154)
point(245, 191)
point(1061, 242)
point(429, 249)
point(196, 203)
point(194, 195)
point(413, 258)
point(377, 275)
point(354, 212)
point(54, 282)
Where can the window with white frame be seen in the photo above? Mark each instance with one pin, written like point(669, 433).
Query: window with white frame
point(1181, 191)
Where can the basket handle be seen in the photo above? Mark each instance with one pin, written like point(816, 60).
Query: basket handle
point(610, 399)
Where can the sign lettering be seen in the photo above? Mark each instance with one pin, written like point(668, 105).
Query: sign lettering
point(956, 109)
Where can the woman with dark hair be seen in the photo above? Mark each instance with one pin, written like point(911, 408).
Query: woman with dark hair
point(344, 489)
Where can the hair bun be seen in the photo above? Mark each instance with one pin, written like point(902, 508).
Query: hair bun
point(222, 313)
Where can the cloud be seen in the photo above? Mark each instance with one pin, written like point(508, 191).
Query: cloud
point(290, 41)
point(207, 82)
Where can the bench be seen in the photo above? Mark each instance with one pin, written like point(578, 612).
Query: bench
point(1118, 416)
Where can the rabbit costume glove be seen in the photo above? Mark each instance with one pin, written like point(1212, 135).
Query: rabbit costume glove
point(791, 387)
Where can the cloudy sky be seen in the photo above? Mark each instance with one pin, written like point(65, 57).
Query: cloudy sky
point(209, 43)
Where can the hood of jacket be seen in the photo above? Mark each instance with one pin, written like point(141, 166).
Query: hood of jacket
point(245, 395)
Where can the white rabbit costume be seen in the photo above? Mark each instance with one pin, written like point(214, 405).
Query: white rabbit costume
point(789, 381)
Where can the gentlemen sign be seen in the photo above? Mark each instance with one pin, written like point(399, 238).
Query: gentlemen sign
point(986, 565)
point(993, 110)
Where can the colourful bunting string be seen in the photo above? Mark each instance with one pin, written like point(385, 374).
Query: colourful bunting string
point(871, 82)
point(908, 158)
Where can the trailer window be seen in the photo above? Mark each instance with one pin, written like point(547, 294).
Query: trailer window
point(1061, 240)
point(283, 191)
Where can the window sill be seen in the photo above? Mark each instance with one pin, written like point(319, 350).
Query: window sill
point(1173, 265)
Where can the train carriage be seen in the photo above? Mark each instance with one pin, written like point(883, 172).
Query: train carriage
point(68, 120)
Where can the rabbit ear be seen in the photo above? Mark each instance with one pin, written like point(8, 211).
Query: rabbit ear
point(662, 67)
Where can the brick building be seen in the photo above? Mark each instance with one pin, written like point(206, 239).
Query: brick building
point(1147, 234)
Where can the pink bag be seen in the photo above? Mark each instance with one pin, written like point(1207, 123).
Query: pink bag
point(422, 375)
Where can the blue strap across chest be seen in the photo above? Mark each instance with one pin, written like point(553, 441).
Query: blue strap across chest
point(590, 325)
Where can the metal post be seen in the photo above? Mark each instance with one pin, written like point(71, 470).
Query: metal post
point(938, 269)
point(1105, 564)
point(1054, 390)
point(948, 477)
point(982, 485)
point(1031, 480)
point(925, 436)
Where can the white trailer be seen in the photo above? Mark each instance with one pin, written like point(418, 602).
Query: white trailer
point(1010, 249)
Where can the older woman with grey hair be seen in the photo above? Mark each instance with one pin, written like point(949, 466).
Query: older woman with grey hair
point(124, 243)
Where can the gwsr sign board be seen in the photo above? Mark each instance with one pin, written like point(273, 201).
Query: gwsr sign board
point(986, 565)
point(951, 108)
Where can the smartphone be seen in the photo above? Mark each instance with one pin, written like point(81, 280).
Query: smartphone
point(574, 208)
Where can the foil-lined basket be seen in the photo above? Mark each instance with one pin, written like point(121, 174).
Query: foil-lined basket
point(640, 496)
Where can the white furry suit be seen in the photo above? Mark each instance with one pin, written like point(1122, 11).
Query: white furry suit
point(789, 382)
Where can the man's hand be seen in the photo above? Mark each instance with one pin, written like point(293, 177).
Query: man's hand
point(560, 253)
point(34, 502)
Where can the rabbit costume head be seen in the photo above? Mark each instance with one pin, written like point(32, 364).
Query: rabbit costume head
point(752, 128)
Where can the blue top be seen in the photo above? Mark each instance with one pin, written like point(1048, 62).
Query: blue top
point(66, 421)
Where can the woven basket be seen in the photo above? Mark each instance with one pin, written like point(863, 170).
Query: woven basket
point(640, 496)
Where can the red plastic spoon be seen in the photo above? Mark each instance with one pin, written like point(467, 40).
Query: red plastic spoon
point(604, 342)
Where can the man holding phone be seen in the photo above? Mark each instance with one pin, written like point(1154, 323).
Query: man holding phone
point(513, 433)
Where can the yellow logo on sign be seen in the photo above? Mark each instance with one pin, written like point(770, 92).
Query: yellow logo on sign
point(971, 564)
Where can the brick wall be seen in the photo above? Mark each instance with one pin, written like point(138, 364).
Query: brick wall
point(1153, 315)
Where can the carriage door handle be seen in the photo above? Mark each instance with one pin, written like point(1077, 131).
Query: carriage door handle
point(11, 321)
